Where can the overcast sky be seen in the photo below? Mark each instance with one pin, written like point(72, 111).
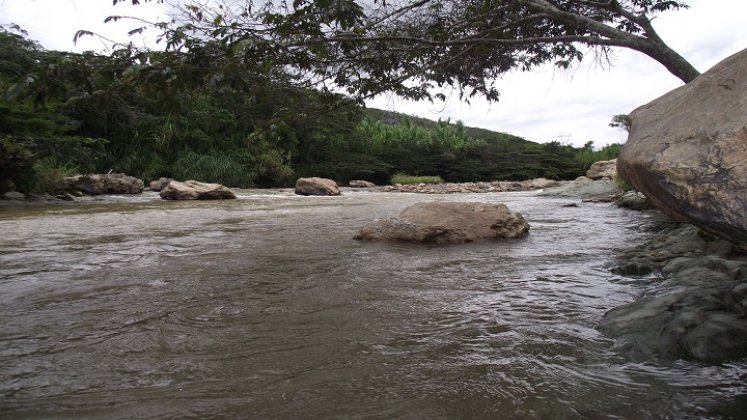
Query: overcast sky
point(573, 106)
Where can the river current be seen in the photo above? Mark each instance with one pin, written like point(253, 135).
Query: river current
point(264, 307)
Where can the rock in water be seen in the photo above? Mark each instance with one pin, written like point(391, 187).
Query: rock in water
point(96, 184)
point(359, 183)
point(194, 190)
point(316, 186)
point(160, 183)
point(602, 169)
point(447, 222)
point(687, 151)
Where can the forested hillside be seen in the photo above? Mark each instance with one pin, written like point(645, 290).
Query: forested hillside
point(188, 115)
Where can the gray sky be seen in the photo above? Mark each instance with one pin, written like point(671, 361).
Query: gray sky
point(572, 106)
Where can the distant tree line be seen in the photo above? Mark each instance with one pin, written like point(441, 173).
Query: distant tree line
point(190, 115)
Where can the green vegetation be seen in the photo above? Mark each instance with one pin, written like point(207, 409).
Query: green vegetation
point(408, 179)
point(622, 184)
point(197, 115)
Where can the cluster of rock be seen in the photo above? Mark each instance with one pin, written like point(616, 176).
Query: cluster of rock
point(687, 152)
point(447, 223)
point(473, 187)
point(695, 305)
point(97, 184)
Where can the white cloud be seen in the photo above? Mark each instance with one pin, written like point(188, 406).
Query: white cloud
point(573, 106)
point(53, 23)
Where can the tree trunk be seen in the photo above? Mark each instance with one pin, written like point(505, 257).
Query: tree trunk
point(675, 63)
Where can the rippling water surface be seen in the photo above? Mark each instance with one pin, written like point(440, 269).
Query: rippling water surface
point(264, 307)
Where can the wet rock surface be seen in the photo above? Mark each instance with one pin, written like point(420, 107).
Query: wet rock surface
point(695, 305)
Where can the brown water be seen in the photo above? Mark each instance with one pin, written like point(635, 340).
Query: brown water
point(264, 307)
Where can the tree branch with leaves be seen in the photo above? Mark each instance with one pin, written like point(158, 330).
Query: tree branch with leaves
point(410, 47)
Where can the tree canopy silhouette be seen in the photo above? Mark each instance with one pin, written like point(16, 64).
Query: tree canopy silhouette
point(411, 46)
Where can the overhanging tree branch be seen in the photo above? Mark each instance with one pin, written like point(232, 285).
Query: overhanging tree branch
point(422, 38)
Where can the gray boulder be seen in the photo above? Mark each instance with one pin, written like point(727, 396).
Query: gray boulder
point(687, 151)
point(447, 222)
point(602, 169)
point(195, 190)
point(95, 184)
point(316, 186)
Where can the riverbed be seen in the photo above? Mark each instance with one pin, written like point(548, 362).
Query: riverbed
point(264, 307)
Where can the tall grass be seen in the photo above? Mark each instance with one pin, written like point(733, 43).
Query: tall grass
point(214, 167)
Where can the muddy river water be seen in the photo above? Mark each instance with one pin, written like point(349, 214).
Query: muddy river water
point(264, 307)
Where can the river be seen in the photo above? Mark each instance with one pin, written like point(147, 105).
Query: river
point(264, 307)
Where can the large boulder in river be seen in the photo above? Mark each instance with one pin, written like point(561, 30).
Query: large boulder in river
point(687, 151)
point(316, 186)
point(602, 169)
point(447, 222)
point(96, 184)
point(194, 190)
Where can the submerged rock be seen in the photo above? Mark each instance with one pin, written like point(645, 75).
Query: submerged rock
point(194, 190)
point(447, 222)
point(316, 186)
point(687, 151)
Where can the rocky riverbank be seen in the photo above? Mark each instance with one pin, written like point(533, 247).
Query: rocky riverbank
point(694, 303)
point(472, 187)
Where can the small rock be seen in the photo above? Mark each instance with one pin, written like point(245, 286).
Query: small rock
point(160, 183)
point(13, 195)
point(358, 183)
point(634, 200)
